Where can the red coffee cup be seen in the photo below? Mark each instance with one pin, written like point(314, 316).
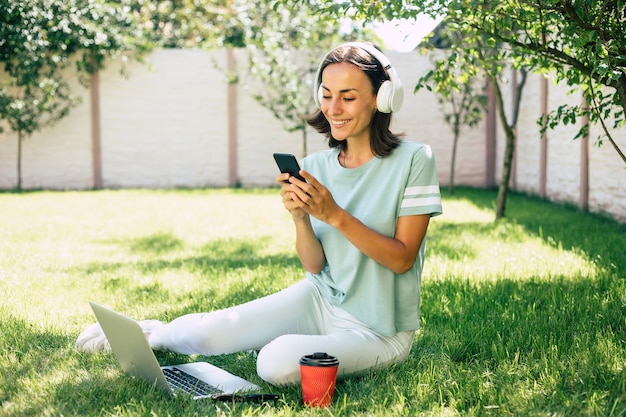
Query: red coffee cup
point(319, 375)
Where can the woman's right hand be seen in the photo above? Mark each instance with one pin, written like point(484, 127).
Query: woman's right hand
point(308, 247)
point(288, 196)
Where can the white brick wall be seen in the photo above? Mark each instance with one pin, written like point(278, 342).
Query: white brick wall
point(529, 138)
point(166, 125)
point(58, 157)
point(607, 176)
point(563, 176)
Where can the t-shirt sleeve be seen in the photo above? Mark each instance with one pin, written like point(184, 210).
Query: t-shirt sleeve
point(422, 194)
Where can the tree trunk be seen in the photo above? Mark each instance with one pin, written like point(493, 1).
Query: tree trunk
point(453, 161)
point(19, 160)
point(503, 188)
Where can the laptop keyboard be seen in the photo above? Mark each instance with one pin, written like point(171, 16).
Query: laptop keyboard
point(182, 381)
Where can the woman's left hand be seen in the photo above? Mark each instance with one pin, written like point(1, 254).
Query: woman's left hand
point(397, 253)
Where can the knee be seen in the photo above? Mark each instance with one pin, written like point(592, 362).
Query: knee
point(277, 364)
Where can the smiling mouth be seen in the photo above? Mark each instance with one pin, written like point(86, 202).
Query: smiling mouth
point(339, 123)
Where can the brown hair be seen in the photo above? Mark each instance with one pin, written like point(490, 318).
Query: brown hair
point(382, 140)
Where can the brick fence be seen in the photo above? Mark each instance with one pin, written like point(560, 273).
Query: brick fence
point(178, 123)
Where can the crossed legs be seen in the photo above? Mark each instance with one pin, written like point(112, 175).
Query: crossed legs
point(285, 326)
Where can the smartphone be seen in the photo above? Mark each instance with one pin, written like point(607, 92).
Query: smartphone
point(288, 163)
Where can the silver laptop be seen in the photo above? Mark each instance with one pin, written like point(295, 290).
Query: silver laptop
point(199, 379)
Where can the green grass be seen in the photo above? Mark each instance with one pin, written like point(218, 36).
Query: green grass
point(525, 316)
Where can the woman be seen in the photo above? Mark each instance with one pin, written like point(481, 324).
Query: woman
point(360, 221)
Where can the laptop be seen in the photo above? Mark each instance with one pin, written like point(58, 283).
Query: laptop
point(198, 379)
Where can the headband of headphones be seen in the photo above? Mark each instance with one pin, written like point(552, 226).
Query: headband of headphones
point(390, 94)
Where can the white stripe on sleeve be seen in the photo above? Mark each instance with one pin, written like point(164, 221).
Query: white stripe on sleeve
point(421, 189)
point(421, 202)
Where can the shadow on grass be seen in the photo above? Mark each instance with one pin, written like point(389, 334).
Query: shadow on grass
point(532, 314)
point(233, 253)
point(25, 350)
point(155, 244)
point(522, 345)
point(600, 238)
point(213, 262)
point(32, 362)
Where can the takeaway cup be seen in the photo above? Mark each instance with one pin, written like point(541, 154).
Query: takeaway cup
point(318, 372)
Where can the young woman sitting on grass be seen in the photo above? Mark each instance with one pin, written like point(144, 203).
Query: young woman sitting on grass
point(360, 221)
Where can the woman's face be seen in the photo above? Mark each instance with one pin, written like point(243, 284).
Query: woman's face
point(348, 102)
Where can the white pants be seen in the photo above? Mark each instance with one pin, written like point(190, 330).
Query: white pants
point(286, 325)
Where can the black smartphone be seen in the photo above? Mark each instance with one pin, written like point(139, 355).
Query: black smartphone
point(288, 163)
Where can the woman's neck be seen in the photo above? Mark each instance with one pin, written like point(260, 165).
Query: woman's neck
point(353, 155)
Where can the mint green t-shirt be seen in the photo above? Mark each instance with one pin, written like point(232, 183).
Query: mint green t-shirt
point(404, 183)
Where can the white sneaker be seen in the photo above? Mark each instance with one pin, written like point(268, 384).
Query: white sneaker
point(92, 339)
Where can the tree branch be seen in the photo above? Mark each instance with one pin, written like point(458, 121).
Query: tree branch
point(567, 8)
point(595, 108)
point(554, 55)
point(518, 97)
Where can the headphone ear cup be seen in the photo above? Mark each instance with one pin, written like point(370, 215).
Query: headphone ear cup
point(319, 97)
point(384, 98)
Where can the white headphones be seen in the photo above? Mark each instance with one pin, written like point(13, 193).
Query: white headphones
point(390, 94)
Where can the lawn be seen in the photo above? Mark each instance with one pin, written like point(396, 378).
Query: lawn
point(525, 316)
